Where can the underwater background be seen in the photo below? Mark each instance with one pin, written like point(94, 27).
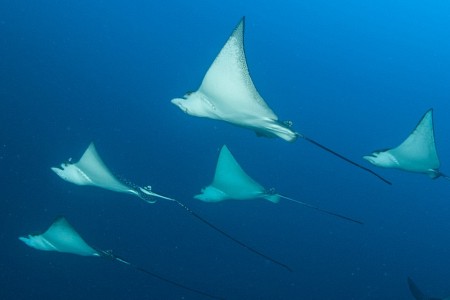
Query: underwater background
point(354, 75)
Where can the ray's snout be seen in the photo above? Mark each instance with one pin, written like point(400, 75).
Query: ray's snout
point(179, 102)
point(369, 158)
point(56, 170)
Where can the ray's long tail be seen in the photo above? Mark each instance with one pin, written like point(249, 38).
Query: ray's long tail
point(322, 210)
point(147, 191)
point(233, 238)
point(109, 254)
point(343, 157)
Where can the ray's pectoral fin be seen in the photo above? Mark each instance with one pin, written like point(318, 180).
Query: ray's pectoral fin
point(415, 291)
point(91, 170)
point(417, 153)
point(60, 237)
point(227, 93)
point(231, 182)
point(418, 294)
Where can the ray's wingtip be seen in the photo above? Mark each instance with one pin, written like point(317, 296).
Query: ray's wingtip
point(241, 24)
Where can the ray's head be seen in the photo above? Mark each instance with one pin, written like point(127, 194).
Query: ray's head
point(64, 171)
point(36, 241)
point(211, 194)
point(69, 172)
point(382, 158)
point(193, 103)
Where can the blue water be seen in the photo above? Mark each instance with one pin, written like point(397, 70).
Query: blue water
point(356, 76)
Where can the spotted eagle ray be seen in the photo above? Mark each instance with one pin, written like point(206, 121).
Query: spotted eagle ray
point(415, 154)
point(227, 93)
point(91, 170)
point(418, 295)
point(62, 237)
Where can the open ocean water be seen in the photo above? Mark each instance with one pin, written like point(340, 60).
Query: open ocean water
point(354, 75)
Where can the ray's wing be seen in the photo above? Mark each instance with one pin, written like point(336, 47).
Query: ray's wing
point(232, 179)
point(93, 167)
point(228, 84)
point(64, 238)
point(418, 151)
point(415, 290)
point(417, 293)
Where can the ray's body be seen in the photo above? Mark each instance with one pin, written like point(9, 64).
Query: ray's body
point(417, 153)
point(90, 170)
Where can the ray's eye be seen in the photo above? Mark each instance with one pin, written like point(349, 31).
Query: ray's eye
point(188, 93)
point(379, 151)
point(288, 123)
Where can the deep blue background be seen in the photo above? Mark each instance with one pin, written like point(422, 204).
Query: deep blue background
point(354, 75)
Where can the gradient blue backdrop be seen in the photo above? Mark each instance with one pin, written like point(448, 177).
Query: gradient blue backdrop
point(355, 75)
